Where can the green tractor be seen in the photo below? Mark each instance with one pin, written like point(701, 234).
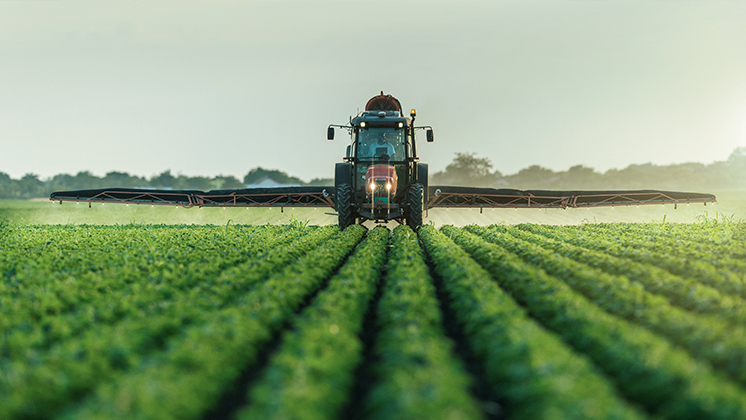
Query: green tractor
point(381, 178)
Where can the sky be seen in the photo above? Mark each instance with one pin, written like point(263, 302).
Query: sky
point(220, 87)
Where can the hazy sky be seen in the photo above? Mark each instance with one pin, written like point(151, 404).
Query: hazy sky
point(220, 87)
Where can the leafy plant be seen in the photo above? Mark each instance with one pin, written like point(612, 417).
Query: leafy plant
point(646, 368)
point(418, 376)
point(298, 224)
point(516, 353)
point(323, 347)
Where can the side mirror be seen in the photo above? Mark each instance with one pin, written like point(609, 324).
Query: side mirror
point(348, 151)
point(429, 134)
point(330, 133)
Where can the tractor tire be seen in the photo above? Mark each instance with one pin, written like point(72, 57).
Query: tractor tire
point(414, 201)
point(344, 206)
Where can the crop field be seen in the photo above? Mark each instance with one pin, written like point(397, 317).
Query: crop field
point(298, 321)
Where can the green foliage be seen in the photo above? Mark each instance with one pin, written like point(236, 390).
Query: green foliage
point(226, 182)
point(531, 369)
point(259, 174)
point(686, 293)
point(469, 170)
point(143, 297)
point(533, 177)
point(185, 380)
point(161, 321)
point(717, 218)
point(298, 224)
point(311, 374)
point(417, 375)
point(649, 252)
point(707, 338)
point(645, 367)
point(31, 186)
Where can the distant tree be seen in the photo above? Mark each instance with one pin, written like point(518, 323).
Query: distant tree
point(62, 182)
point(85, 180)
point(737, 161)
point(738, 155)
point(468, 170)
point(633, 177)
point(259, 174)
point(579, 177)
point(696, 175)
point(122, 180)
point(31, 186)
point(228, 182)
point(735, 168)
point(534, 177)
point(200, 183)
point(163, 180)
point(8, 187)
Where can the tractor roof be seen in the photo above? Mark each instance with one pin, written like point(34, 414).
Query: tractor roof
point(380, 118)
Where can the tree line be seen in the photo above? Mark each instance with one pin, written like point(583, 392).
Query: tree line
point(466, 169)
point(31, 186)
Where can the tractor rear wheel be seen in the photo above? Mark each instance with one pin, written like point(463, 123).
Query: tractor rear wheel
point(344, 206)
point(414, 200)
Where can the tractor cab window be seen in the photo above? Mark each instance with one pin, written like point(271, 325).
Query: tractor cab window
point(381, 143)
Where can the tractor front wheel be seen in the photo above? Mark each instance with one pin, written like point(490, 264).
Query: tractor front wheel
point(414, 201)
point(344, 206)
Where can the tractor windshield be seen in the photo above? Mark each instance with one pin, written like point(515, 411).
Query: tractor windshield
point(381, 143)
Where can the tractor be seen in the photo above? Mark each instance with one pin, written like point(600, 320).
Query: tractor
point(381, 177)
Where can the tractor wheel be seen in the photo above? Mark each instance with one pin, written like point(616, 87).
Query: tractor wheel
point(344, 207)
point(414, 200)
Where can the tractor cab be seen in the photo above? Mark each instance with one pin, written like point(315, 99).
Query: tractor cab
point(381, 173)
point(381, 146)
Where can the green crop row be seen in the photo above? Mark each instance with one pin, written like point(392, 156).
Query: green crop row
point(705, 337)
point(417, 374)
point(200, 364)
point(718, 239)
point(537, 375)
point(37, 381)
point(121, 291)
point(149, 314)
point(727, 255)
point(312, 372)
point(556, 322)
point(58, 278)
point(79, 250)
point(686, 293)
point(645, 368)
point(724, 281)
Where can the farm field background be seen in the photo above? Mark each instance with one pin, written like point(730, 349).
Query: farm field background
point(296, 320)
point(731, 204)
